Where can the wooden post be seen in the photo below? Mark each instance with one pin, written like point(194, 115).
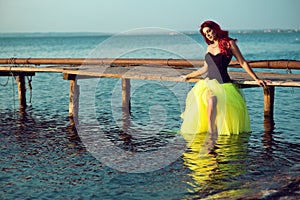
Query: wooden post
point(269, 101)
point(74, 98)
point(126, 96)
point(269, 107)
point(21, 91)
point(126, 104)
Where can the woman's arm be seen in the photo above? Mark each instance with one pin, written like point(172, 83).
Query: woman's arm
point(238, 55)
point(198, 72)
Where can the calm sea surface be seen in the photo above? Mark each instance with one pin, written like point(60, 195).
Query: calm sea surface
point(109, 156)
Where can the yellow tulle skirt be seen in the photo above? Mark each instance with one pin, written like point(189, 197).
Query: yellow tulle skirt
point(232, 113)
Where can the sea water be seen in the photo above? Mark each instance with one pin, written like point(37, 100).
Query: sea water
point(106, 155)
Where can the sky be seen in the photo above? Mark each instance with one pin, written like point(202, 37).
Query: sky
point(113, 16)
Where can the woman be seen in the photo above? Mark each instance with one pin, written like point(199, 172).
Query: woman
point(215, 104)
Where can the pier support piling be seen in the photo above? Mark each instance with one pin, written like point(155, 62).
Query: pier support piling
point(126, 104)
point(74, 98)
point(74, 94)
point(126, 96)
point(269, 92)
point(21, 91)
point(269, 101)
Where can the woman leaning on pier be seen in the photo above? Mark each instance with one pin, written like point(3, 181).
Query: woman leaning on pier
point(215, 104)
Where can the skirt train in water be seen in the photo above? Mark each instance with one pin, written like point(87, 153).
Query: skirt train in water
point(232, 113)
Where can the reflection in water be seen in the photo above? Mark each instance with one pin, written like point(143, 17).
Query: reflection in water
point(73, 137)
point(269, 126)
point(215, 169)
point(42, 154)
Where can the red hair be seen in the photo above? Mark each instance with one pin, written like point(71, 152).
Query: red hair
point(222, 36)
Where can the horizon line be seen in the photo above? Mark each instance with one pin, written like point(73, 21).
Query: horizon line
point(174, 32)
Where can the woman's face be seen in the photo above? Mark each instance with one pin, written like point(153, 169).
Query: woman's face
point(209, 34)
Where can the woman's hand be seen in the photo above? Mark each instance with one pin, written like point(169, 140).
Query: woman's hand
point(262, 83)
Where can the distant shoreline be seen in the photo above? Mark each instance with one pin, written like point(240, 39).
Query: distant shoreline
point(84, 34)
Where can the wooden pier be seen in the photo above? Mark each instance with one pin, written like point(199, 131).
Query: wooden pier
point(144, 69)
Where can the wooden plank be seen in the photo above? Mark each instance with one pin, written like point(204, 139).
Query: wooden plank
point(160, 74)
point(273, 83)
point(277, 79)
point(30, 69)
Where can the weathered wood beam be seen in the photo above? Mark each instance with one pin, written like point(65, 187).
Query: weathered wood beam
point(102, 61)
point(270, 64)
point(157, 73)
